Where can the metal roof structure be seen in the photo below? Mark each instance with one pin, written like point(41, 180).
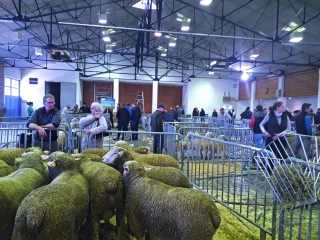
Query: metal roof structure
point(221, 38)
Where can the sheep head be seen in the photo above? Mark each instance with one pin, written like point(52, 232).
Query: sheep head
point(59, 162)
point(115, 157)
point(133, 167)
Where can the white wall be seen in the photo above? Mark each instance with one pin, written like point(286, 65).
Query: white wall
point(207, 94)
point(12, 72)
point(35, 93)
point(296, 103)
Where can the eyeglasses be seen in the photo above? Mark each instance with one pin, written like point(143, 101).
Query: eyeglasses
point(93, 108)
point(50, 102)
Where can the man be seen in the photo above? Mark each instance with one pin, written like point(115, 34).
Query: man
point(247, 114)
point(224, 114)
point(135, 119)
point(317, 117)
point(157, 126)
point(303, 127)
point(47, 117)
point(123, 117)
point(66, 110)
point(169, 116)
point(256, 119)
point(85, 108)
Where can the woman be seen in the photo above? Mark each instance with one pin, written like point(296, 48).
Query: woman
point(29, 109)
point(214, 113)
point(94, 125)
point(278, 125)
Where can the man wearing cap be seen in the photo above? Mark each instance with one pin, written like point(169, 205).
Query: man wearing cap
point(303, 127)
point(85, 108)
point(255, 121)
point(157, 126)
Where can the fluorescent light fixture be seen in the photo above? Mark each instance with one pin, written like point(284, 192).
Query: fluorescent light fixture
point(205, 2)
point(158, 34)
point(172, 42)
point(296, 37)
point(213, 63)
point(38, 51)
point(163, 54)
point(211, 73)
point(102, 18)
point(15, 36)
point(6, 20)
point(143, 4)
point(106, 38)
point(185, 26)
point(244, 76)
point(254, 53)
point(108, 49)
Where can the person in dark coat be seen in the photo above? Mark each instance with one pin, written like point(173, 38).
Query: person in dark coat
point(214, 113)
point(202, 114)
point(85, 108)
point(157, 126)
point(256, 119)
point(135, 119)
point(247, 114)
point(123, 117)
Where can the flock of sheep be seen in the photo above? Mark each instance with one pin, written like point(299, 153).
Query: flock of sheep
point(56, 196)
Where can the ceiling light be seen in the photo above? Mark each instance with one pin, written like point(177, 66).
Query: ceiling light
point(296, 37)
point(158, 34)
point(205, 2)
point(172, 42)
point(185, 26)
point(213, 63)
point(293, 26)
point(145, 4)
point(244, 76)
point(106, 38)
point(108, 49)
point(102, 18)
point(254, 53)
point(211, 73)
point(38, 51)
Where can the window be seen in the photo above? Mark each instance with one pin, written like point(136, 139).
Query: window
point(12, 87)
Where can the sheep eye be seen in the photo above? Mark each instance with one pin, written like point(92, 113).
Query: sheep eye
point(126, 169)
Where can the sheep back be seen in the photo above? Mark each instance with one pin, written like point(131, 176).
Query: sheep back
point(167, 212)
point(97, 151)
point(54, 211)
point(5, 169)
point(13, 189)
point(158, 160)
point(8, 155)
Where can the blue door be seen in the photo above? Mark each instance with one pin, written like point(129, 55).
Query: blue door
point(13, 106)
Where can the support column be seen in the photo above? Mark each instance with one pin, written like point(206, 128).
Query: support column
point(253, 95)
point(155, 85)
point(318, 102)
point(2, 106)
point(116, 92)
point(280, 90)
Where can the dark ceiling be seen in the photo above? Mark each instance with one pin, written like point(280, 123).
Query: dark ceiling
point(226, 31)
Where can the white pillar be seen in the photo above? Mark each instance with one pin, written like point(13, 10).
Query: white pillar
point(280, 96)
point(155, 85)
point(318, 102)
point(253, 95)
point(116, 93)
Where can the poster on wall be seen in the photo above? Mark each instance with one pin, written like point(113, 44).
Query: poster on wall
point(108, 102)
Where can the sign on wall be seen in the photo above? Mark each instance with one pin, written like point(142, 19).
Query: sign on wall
point(108, 102)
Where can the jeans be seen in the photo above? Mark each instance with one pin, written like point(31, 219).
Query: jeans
point(158, 139)
point(134, 127)
point(259, 139)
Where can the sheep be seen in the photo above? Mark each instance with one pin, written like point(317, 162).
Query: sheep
point(98, 151)
point(143, 150)
point(167, 212)
point(106, 195)
point(152, 159)
point(17, 185)
point(5, 169)
point(91, 157)
point(57, 210)
point(9, 155)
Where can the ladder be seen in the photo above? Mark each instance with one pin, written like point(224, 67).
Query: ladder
point(140, 100)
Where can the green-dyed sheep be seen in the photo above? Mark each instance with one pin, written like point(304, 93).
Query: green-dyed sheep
point(57, 210)
point(97, 151)
point(91, 157)
point(35, 149)
point(5, 169)
point(167, 212)
point(8, 155)
point(129, 154)
point(17, 185)
point(166, 174)
point(106, 195)
point(143, 150)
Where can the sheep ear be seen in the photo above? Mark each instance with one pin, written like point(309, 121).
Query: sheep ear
point(147, 169)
